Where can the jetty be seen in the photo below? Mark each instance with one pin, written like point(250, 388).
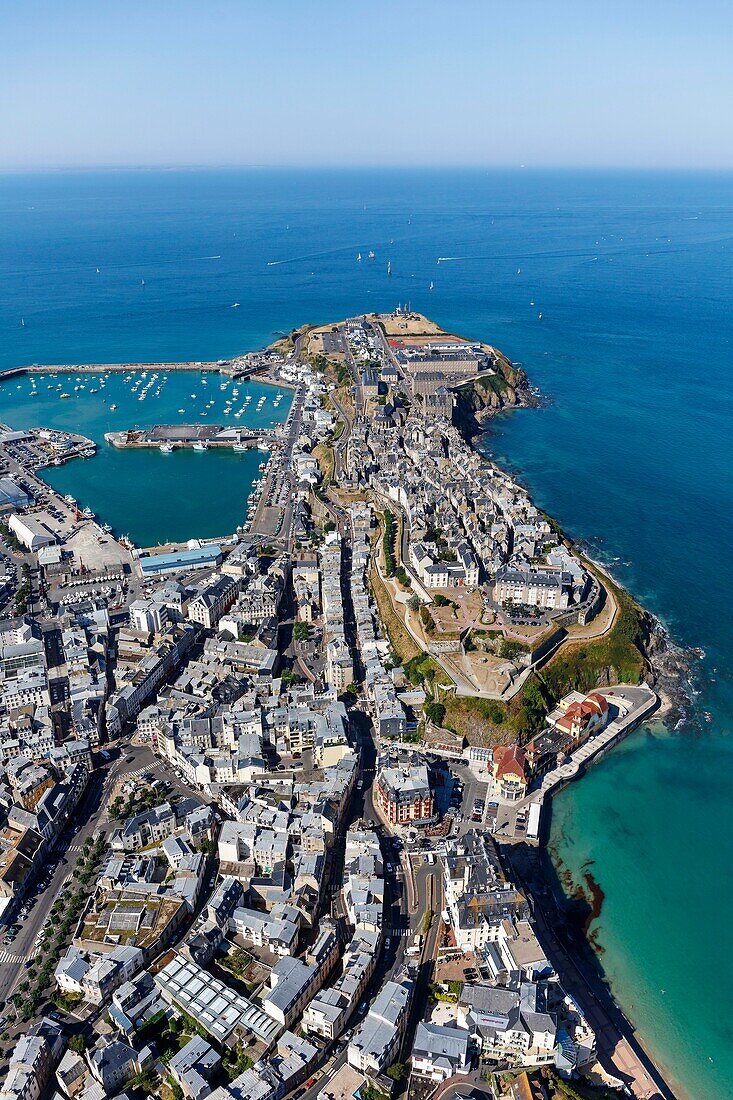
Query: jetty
point(200, 436)
point(240, 367)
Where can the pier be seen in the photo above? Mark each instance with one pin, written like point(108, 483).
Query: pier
point(633, 704)
point(251, 365)
point(199, 436)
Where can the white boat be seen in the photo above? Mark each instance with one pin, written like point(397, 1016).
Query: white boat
point(166, 448)
point(389, 267)
point(88, 513)
point(371, 256)
point(240, 447)
point(201, 445)
point(235, 305)
point(181, 411)
point(358, 257)
point(107, 529)
point(63, 395)
point(262, 446)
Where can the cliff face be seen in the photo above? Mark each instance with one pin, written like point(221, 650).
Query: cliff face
point(488, 394)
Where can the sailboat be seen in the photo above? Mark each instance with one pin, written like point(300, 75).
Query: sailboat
point(431, 285)
point(22, 323)
point(389, 267)
point(358, 257)
point(371, 256)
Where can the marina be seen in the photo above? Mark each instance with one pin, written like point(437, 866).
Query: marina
point(153, 495)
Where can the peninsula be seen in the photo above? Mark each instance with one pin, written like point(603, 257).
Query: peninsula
point(277, 802)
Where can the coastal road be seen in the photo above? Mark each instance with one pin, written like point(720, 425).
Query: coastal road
point(275, 521)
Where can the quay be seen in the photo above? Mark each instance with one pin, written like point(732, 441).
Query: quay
point(238, 368)
point(198, 436)
point(633, 704)
point(37, 448)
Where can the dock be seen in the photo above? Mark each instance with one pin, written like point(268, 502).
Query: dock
point(200, 436)
point(255, 365)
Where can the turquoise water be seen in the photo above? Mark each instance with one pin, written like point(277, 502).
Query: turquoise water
point(152, 497)
point(632, 274)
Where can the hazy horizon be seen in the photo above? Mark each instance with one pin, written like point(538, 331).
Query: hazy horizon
point(232, 84)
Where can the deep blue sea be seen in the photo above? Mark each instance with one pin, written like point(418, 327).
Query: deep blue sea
point(632, 275)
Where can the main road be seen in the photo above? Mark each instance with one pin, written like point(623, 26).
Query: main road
point(89, 816)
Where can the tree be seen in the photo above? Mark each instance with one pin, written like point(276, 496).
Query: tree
point(435, 712)
point(397, 1071)
point(77, 1043)
point(301, 631)
point(414, 602)
point(147, 1081)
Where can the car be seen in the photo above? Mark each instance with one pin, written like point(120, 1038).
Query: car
point(387, 944)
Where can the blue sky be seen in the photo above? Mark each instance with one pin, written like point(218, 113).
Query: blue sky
point(315, 82)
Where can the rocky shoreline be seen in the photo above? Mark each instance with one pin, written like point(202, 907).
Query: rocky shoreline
point(485, 397)
point(670, 671)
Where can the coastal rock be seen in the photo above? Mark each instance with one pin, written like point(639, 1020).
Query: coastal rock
point(669, 670)
point(489, 394)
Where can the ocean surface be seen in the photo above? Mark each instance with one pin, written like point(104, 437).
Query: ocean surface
point(632, 450)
